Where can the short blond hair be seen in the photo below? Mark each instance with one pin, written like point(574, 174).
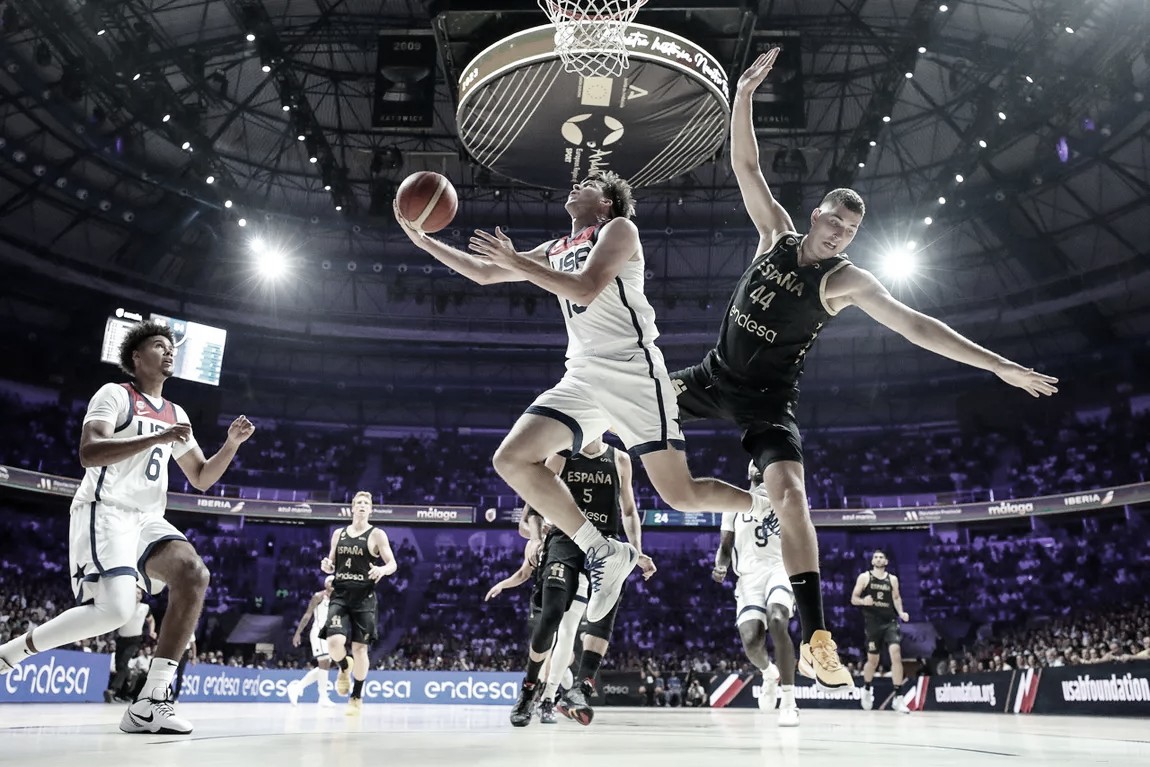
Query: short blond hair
point(365, 494)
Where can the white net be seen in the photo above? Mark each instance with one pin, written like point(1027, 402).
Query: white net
point(590, 35)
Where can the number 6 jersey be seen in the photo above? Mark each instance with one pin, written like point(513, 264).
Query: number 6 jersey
point(139, 482)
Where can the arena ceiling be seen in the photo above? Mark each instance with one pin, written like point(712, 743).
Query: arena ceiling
point(114, 114)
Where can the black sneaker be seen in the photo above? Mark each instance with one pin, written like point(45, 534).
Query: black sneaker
point(574, 704)
point(547, 711)
point(525, 707)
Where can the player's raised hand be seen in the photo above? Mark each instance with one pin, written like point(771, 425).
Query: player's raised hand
point(240, 430)
point(179, 432)
point(496, 248)
point(496, 590)
point(758, 71)
point(647, 566)
point(1028, 379)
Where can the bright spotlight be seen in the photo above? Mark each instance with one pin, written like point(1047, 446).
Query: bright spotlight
point(900, 263)
point(258, 246)
point(272, 263)
point(227, 203)
point(242, 222)
point(928, 221)
point(210, 179)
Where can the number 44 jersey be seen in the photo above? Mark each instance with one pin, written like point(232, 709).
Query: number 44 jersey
point(139, 482)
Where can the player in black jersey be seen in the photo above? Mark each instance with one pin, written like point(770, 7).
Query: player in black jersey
point(876, 592)
point(599, 478)
point(794, 285)
point(352, 612)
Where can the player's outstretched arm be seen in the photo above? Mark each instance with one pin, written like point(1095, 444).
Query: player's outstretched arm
point(861, 288)
point(766, 213)
point(202, 472)
point(617, 243)
point(478, 270)
point(518, 578)
point(381, 547)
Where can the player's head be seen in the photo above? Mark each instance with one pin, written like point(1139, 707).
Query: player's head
point(329, 584)
point(754, 476)
point(149, 349)
point(835, 222)
point(604, 194)
point(361, 506)
point(139, 595)
point(879, 559)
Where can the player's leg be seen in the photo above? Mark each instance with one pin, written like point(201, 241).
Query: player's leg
point(870, 668)
point(102, 559)
point(365, 626)
point(336, 632)
point(892, 637)
point(559, 663)
point(560, 582)
point(751, 622)
point(575, 704)
point(126, 649)
point(359, 667)
point(178, 682)
point(780, 609)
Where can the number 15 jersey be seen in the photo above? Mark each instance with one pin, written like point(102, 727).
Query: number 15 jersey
point(139, 482)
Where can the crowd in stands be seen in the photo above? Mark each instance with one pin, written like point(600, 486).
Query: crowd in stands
point(912, 466)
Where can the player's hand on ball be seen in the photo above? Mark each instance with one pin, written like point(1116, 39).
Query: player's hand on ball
point(758, 71)
point(240, 430)
point(413, 232)
point(326, 565)
point(495, 591)
point(179, 432)
point(718, 574)
point(377, 573)
point(647, 566)
point(496, 248)
point(1029, 380)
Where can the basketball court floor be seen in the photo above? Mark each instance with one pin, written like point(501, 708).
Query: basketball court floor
point(276, 735)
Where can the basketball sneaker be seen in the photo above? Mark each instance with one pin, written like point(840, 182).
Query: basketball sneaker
point(524, 708)
point(822, 656)
point(148, 715)
point(789, 716)
point(899, 704)
point(574, 705)
point(325, 701)
point(547, 711)
point(607, 568)
point(293, 691)
point(770, 688)
point(867, 699)
point(343, 681)
point(354, 707)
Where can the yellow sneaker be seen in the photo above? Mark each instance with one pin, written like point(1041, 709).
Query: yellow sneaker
point(354, 707)
point(343, 681)
point(822, 656)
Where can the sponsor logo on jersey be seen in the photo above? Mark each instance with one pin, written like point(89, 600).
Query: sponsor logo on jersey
point(598, 517)
point(1116, 689)
point(747, 323)
point(966, 692)
point(788, 281)
point(1004, 508)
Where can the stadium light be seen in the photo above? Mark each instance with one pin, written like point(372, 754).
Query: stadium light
point(900, 263)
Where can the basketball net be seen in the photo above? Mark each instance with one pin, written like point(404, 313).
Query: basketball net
point(590, 35)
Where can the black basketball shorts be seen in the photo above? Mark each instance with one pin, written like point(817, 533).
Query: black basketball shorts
point(355, 615)
point(880, 635)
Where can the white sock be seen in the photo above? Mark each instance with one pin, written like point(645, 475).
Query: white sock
point(113, 605)
point(568, 679)
point(587, 537)
point(309, 677)
point(787, 693)
point(15, 650)
point(159, 680)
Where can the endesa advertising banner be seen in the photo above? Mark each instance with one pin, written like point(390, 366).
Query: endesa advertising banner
point(218, 684)
point(1104, 689)
point(58, 676)
point(967, 692)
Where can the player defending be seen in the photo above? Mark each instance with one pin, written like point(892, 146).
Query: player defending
point(794, 285)
point(763, 600)
point(876, 592)
point(352, 612)
point(600, 477)
point(316, 612)
point(119, 536)
point(615, 373)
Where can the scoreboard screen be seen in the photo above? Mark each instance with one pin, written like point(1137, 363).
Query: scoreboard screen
point(199, 348)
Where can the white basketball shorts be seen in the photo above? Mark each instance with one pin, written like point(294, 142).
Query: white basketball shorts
point(758, 589)
point(318, 646)
point(632, 397)
point(106, 541)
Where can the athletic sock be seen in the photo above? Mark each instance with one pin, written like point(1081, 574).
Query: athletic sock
point(16, 650)
point(159, 680)
point(550, 690)
point(357, 688)
point(587, 537)
point(312, 676)
point(809, 599)
point(866, 685)
point(787, 693)
point(589, 665)
point(533, 669)
point(344, 663)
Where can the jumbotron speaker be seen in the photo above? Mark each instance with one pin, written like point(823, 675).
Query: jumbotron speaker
point(523, 117)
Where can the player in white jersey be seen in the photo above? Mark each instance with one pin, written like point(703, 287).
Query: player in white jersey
point(119, 536)
point(317, 613)
point(615, 378)
point(763, 599)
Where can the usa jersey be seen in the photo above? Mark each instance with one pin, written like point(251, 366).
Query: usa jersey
point(757, 542)
point(139, 482)
point(620, 320)
point(319, 617)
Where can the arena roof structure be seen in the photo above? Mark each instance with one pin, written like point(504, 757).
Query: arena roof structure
point(1001, 146)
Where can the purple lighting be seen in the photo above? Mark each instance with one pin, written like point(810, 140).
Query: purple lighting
point(1063, 150)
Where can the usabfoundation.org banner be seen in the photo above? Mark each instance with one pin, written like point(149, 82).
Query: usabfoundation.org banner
point(58, 676)
point(1105, 689)
point(217, 684)
point(988, 692)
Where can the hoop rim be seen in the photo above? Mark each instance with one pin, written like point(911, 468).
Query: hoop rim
point(559, 15)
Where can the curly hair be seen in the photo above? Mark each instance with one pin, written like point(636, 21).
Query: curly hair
point(136, 336)
point(848, 198)
point(618, 191)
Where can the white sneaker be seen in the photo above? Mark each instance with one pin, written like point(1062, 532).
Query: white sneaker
point(293, 692)
point(325, 701)
point(899, 705)
point(789, 717)
point(770, 689)
point(867, 700)
point(607, 569)
point(155, 716)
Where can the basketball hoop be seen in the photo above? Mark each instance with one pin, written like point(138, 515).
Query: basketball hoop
point(590, 35)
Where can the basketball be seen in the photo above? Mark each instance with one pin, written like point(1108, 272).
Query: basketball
point(427, 200)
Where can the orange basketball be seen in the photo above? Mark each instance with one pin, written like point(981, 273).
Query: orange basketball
point(427, 200)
